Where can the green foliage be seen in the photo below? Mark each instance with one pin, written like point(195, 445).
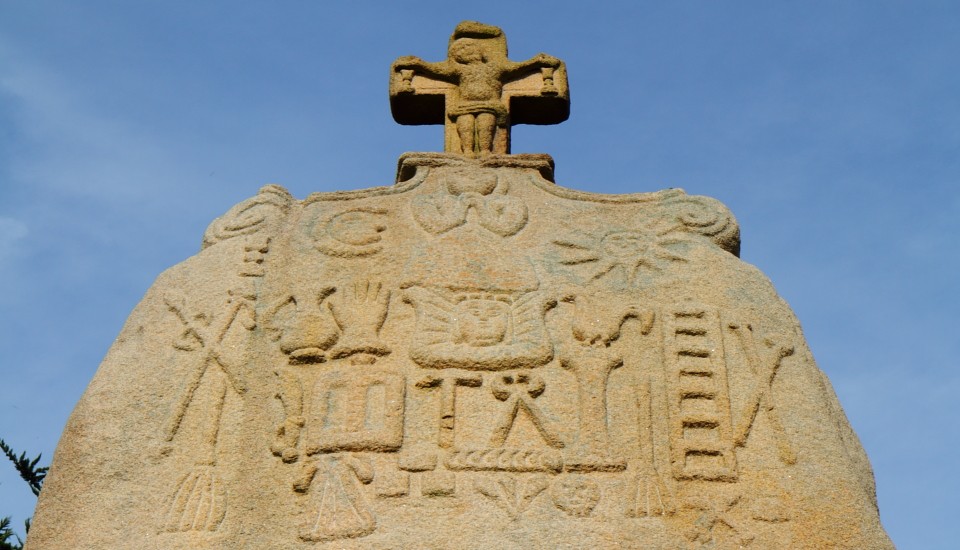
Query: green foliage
point(6, 533)
point(34, 475)
point(27, 468)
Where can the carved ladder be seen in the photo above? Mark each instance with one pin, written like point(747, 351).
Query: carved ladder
point(701, 442)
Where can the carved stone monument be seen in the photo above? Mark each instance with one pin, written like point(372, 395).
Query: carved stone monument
point(473, 357)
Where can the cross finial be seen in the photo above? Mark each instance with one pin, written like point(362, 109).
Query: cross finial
point(477, 93)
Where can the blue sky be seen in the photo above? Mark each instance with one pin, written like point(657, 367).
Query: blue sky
point(831, 129)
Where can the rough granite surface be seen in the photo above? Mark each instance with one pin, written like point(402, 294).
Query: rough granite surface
point(473, 357)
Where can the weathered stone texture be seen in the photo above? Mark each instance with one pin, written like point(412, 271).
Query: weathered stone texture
point(474, 357)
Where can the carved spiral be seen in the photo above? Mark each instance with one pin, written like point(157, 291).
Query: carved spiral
point(707, 217)
point(249, 216)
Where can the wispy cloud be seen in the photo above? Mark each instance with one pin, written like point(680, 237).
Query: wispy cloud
point(12, 231)
point(72, 150)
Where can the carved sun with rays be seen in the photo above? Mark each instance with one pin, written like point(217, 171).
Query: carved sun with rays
point(625, 253)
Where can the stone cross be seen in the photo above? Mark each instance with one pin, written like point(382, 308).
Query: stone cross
point(477, 93)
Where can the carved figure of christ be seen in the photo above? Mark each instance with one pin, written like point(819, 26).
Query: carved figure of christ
point(476, 105)
point(470, 89)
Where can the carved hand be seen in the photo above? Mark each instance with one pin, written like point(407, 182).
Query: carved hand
point(360, 310)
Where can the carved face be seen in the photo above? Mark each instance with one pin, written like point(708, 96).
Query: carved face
point(624, 245)
point(577, 496)
point(482, 322)
point(466, 51)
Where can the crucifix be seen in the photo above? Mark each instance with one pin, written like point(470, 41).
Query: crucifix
point(477, 93)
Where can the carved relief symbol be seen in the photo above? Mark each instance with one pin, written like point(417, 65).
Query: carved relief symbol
point(304, 328)
point(356, 412)
point(479, 192)
point(354, 233)
point(291, 397)
point(510, 494)
point(309, 333)
point(470, 93)
point(653, 496)
point(198, 502)
point(255, 252)
point(727, 520)
point(260, 213)
point(769, 509)
point(360, 310)
point(624, 255)
point(596, 323)
point(345, 411)
point(200, 333)
point(714, 517)
point(340, 510)
point(476, 302)
point(479, 330)
point(707, 217)
point(333, 323)
point(701, 438)
point(502, 459)
point(518, 392)
point(764, 369)
point(576, 495)
point(448, 401)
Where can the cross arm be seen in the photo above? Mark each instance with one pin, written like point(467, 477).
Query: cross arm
point(518, 68)
point(537, 91)
point(418, 90)
point(442, 70)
